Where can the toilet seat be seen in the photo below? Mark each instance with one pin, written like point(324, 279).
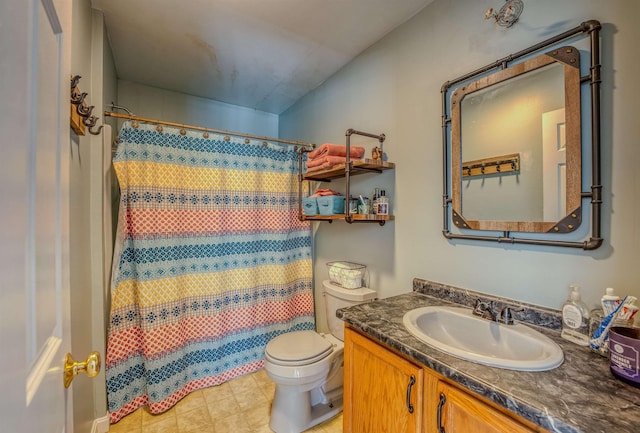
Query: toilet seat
point(298, 348)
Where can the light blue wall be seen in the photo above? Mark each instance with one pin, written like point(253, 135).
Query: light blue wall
point(160, 104)
point(394, 87)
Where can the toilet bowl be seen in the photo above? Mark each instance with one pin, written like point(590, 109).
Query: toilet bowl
point(307, 367)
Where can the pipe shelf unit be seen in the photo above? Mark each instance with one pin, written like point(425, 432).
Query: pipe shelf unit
point(350, 168)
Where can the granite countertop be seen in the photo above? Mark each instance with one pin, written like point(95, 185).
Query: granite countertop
point(580, 396)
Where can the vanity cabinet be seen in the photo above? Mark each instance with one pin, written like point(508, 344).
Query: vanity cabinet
point(450, 409)
point(382, 391)
point(377, 395)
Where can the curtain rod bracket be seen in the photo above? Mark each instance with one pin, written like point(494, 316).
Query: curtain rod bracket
point(120, 107)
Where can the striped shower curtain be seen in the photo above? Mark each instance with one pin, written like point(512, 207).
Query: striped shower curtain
point(210, 263)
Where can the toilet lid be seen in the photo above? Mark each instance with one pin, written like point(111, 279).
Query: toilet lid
point(298, 348)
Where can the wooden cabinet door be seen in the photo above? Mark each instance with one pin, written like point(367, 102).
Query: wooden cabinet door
point(461, 412)
point(382, 391)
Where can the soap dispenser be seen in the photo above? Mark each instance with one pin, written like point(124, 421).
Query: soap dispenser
point(575, 318)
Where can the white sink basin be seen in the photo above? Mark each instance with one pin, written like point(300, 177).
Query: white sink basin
point(458, 332)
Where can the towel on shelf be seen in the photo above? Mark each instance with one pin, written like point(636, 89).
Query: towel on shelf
point(325, 166)
point(329, 159)
point(323, 192)
point(336, 150)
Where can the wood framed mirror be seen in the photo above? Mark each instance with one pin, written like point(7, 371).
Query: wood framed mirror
point(513, 139)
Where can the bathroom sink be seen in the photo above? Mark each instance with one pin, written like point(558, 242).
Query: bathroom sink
point(458, 332)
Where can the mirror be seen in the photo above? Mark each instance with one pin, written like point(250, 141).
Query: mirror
point(512, 146)
point(523, 119)
point(516, 147)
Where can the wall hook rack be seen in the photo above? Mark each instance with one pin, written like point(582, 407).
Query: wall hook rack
point(81, 117)
point(496, 165)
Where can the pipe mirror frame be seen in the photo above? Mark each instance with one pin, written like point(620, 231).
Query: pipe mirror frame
point(569, 58)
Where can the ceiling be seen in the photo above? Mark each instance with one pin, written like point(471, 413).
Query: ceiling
point(261, 54)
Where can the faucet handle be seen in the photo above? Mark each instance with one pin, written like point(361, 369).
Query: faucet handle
point(506, 315)
point(480, 306)
point(485, 310)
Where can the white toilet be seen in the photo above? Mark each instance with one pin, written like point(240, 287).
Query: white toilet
point(307, 367)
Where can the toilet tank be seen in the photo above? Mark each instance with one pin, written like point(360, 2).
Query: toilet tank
point(337, 297)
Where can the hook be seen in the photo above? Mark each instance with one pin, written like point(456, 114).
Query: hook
point(74, 81)
point(96, 132)
point(90, 121)
point(83, 110)
point(78, 99)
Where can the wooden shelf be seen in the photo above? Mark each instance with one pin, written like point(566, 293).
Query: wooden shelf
point(354, 217)
point(358, 166)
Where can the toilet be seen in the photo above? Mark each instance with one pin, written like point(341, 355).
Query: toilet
point(307, 367)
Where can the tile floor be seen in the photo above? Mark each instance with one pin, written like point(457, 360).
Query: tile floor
point(241, 405)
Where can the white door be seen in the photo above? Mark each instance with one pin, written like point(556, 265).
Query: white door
point(554, 163)
point(34, 187)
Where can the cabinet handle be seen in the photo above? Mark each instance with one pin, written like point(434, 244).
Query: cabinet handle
point(443, 399)
point(412, 381)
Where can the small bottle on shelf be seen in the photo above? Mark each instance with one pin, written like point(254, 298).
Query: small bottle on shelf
point(383, 203)
point(374, 203)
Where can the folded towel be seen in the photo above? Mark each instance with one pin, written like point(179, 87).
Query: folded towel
point(336, 150)
point(325, 166)
point(333, 160)
point(323, 192)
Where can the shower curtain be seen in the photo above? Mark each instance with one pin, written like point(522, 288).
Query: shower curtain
point(211, 262)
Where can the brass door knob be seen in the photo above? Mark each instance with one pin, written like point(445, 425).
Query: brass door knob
point(91, 367)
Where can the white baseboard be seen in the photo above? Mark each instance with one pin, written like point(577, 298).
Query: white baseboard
point(101, 425)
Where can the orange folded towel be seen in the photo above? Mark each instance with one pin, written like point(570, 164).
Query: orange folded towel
point(329, 159)
point(336, 150)
point(323, 192)
point(324, 166)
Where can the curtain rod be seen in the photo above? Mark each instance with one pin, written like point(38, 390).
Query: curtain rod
point(200, 128)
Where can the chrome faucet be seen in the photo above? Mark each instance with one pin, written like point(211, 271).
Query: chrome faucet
point(486, 311)
point(506, 315)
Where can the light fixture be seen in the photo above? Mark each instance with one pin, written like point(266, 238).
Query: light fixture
point(508, 14)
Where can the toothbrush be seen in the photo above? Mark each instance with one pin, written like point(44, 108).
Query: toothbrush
point(602, 333)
